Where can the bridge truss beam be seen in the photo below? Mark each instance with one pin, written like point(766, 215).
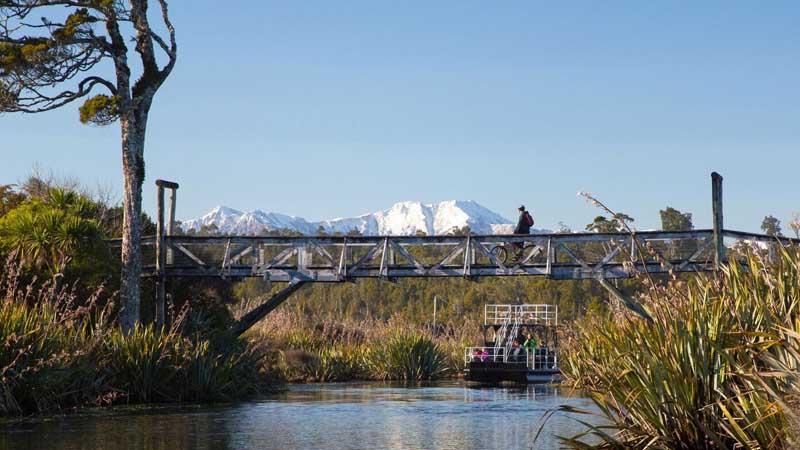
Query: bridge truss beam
point(347, 258)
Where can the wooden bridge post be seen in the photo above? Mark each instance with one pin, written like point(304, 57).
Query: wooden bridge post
point(161, 253)
point(173, 193)
point(160, 256)
point(716, 207)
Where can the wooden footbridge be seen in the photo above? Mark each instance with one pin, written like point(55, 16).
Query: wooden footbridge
point(298, 260)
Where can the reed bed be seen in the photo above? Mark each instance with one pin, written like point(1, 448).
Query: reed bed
point(716, 368)
point(309, 349)
point(59, 352)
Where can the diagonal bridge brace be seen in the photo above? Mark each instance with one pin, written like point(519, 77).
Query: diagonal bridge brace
point(251, 318)
point(629, 303)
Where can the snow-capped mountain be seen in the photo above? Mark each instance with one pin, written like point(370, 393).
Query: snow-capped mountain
point(405, 218)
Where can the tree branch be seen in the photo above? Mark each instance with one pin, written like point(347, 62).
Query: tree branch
point(31, 104)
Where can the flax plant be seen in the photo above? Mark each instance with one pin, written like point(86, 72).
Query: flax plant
point(60, 352)
point(717, 368)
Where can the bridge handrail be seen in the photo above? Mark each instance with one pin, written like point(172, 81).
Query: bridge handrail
point(447, 239)
point(566, 237)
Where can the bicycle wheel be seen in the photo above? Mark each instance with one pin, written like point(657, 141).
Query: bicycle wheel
point(500, 253)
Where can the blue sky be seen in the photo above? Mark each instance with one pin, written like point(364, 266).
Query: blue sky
point(324, 109)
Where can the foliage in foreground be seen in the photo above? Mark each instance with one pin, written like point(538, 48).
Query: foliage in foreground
point(716, 369)
point(57, 353)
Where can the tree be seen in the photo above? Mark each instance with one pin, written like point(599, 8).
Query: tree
point(674, 220)
point(601, 224)
point(771, 226)
point(55, 52)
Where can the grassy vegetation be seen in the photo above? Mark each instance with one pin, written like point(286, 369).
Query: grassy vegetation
point(331, 349)
point(59, 352)
point(717, 368)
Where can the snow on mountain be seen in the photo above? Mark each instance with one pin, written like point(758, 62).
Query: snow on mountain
point(404, 218)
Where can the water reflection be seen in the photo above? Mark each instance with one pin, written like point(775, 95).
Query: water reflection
point(333, 416)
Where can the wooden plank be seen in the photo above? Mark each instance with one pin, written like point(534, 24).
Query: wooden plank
point(384, 255)
point(225, 257)
point(322, 252)
point(368, 256)
point(574, 257)
point(448, 258)
point(433, 240)
point(241, 254)
point(252, 317)
point(161, 259)
point(654, 250)
point(469, 250)
point(405, 254)
point(716, 210)
point(610, 256)
point(556, 271)
point(343, 260)
point(167, 184)
point(630, 303)
point(700, 249)
point(479, 246)
point(191, 255)
point(281, 258)
point(533, 253)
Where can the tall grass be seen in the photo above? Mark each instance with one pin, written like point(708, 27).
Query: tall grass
point(335, 349)
point(59, 352)
point(717, 368)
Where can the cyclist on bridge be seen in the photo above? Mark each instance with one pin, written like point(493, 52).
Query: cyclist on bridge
point(524, 225)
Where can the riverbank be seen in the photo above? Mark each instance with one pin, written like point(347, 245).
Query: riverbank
point(61, 352)
point(316, 349)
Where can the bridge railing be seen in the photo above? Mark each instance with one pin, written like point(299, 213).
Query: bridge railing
point(339, 258)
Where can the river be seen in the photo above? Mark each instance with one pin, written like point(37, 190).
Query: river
point(342, 416)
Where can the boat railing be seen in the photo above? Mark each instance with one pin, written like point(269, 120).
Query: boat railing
point(536, 359)
point(543, 358)
point(546, 315)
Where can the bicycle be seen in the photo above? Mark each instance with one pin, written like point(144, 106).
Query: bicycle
point(502, 250)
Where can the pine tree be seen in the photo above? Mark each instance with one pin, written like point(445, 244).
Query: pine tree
point(674, 220)
point(771, 226)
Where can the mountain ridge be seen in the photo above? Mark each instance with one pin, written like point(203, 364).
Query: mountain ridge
point(402, 218)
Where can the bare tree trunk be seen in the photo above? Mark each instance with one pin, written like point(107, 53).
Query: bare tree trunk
point(133, 172)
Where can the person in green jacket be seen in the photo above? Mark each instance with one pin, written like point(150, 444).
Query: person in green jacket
point(530, 343)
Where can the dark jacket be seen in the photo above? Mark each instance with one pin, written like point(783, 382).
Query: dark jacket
point(522, 225)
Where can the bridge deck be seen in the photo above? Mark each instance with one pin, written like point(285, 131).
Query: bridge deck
point(341, 258)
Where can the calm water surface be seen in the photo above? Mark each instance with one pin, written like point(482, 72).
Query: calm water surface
point(323, 416)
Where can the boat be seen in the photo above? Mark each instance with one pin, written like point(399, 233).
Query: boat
point(500, 359)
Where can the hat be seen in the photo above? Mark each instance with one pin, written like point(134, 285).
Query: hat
point(521, 207)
